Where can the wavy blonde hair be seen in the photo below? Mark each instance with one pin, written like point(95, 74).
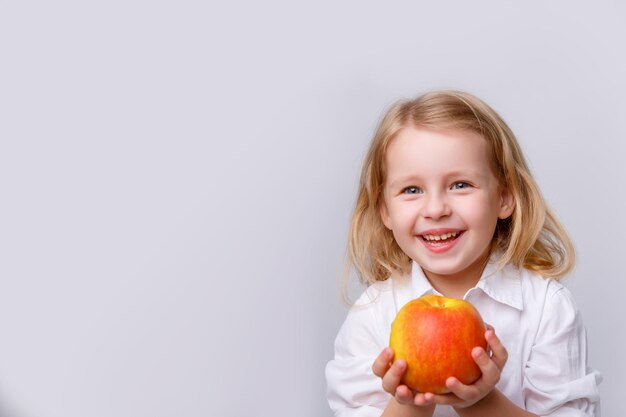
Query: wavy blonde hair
point(532, 237)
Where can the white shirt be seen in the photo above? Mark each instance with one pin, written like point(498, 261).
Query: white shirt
point(535, 318)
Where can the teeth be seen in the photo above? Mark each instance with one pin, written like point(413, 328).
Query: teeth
point(441, 237)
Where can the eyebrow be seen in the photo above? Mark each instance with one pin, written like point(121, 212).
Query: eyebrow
point(460, 174)
point(403, 180)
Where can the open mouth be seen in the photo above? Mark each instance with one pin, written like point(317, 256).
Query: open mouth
point(440, 240)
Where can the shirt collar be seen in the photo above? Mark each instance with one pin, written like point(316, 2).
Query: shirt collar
point(503, 284)
point(421, 284)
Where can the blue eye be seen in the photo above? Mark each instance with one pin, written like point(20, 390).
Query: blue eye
point(412, 190)
point(461, 185)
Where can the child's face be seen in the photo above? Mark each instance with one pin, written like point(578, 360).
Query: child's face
point(438, 182)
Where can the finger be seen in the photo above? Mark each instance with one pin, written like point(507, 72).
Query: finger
point(488, 367)
point(498, 352)
point(382, 361)
point(404, 395)
point(393, 376)
point(462, 391)
point(422, 399)
point(442, 399)
point(489, 327)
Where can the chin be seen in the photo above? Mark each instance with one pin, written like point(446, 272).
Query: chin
point(444, 267)
point(442, 271)
point(441, 266)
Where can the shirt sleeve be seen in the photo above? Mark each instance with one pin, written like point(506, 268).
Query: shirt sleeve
point(557, 381)
point(352, 388)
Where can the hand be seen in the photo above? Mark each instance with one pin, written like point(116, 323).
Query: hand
point(462, 395)
point(391, 375)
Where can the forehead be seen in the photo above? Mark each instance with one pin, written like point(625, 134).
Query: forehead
point(428, 152)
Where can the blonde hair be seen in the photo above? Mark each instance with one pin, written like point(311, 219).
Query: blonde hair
point(532, 237)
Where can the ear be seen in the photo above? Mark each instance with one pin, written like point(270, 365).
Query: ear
point(384, 214)
point(507, 203)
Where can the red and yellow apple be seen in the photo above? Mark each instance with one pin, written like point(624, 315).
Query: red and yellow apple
point(435, 336)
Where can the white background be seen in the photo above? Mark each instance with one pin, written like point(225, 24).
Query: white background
point(177, 177)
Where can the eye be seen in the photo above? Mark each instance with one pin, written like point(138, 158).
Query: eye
point(412, 190)
point(461, 185)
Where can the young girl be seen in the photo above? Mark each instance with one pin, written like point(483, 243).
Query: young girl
point(447, 205)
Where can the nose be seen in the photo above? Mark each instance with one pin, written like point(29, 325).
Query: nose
point(436, 206)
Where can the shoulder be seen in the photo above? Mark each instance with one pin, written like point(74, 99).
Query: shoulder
point(382, 292)
point(550, 301)
point(538, 289)
point(374, 310)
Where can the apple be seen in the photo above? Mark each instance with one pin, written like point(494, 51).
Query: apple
point(435, 336)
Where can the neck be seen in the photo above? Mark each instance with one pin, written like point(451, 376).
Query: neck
point(457, 285)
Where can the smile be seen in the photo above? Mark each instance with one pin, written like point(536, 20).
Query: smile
point(443, 237)
point(441, 242)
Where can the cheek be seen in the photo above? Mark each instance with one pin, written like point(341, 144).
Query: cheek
point(481, 213)
point(404, 216)
point(488, 218)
